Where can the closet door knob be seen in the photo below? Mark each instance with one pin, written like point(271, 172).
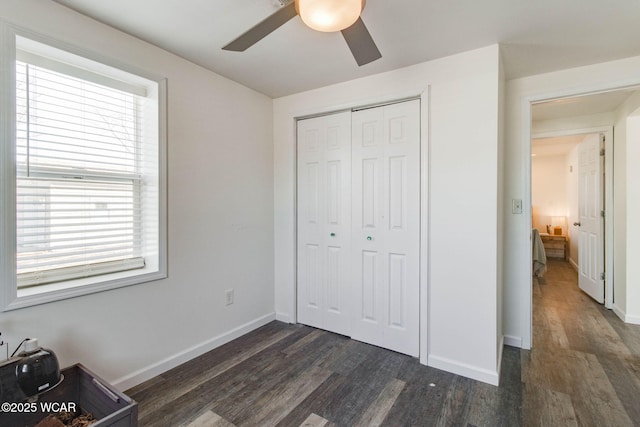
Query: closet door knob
point(577, 224)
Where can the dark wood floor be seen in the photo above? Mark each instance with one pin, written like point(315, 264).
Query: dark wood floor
point(584, 370)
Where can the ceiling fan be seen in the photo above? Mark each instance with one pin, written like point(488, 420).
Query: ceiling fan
point(320, 15)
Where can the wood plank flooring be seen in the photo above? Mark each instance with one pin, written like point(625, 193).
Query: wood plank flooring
point(584, 370)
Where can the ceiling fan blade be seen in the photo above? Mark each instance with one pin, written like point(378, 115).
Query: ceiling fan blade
point(263, 29)
point(362, 46)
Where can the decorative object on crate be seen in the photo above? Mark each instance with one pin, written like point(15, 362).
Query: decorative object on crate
point(50, 421)
point(28, 374)
point(37, 370)
point(67, 419)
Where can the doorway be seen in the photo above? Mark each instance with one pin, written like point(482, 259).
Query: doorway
point(591, 112)
point(568, 201)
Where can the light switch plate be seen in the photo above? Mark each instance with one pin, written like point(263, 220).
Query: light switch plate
point(516, 206)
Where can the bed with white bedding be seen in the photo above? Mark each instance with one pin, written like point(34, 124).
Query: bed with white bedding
point(538, 254)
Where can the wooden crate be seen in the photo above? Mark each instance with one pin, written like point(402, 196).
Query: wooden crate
point(89, 393)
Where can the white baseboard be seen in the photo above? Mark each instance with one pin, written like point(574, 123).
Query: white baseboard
point(177, 359)
point(283, 317)
point(573, 264)
point(473, 372)
point(635, 320)
point(619, 312)
point(626, 318)
point(512, 341)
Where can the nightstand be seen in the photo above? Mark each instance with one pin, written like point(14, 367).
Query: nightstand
point(555, 246)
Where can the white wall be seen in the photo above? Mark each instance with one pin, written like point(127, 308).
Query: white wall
point(573, 181)
point(627, 203)
point(220, 220)
point(620, 214)
point(517, 302)
point(632, 314)
point(500, 207)
point(548, 191)
point(463, 198)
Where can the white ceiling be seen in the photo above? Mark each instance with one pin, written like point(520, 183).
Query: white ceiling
point(536, 36)
point(605, 102)
point(556, 146)
point(563, 108)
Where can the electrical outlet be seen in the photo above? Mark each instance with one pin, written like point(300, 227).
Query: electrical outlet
point(229, 296)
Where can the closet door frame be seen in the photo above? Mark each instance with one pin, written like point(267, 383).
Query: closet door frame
point(424, 256)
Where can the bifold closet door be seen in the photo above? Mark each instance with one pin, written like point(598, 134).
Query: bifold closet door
point(386, 226)
point(324, 217)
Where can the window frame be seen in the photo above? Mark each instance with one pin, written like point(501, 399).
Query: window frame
point(10, 297)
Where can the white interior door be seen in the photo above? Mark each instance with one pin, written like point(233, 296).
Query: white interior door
point(590, 241)
point(386, 226)
point(324, 217)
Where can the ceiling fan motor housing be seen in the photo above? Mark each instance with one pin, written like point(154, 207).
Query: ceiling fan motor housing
point(353, 30)
point(329, 15)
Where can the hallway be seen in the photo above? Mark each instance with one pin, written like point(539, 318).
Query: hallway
point(584, 368)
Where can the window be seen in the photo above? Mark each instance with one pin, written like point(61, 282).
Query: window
point(83, 155)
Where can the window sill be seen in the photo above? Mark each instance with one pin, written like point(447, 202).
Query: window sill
point(44, 294)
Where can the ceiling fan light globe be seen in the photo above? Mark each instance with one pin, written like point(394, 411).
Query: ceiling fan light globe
point(329, 15)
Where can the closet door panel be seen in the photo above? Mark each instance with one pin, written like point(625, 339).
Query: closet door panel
point(367, 239)
point(386, 221)
point(324, 217)
point(402, 125)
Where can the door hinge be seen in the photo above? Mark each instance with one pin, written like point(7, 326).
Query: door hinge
point(602, 214)
point(602, 151)
point(602, 276)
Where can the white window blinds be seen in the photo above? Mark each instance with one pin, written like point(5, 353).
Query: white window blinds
point(78, 186)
